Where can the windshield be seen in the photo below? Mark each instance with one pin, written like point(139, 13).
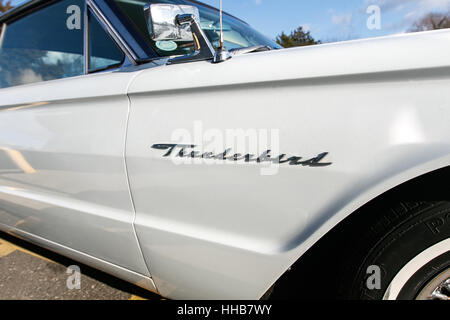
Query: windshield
point(237, 34)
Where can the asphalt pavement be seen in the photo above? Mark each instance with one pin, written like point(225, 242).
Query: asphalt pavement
point(28, 272)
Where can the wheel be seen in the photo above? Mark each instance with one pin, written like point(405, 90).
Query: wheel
point(405, 255)
point(389, 250)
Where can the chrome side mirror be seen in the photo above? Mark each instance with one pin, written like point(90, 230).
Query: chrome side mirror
point(169, 22)
point(163, 25)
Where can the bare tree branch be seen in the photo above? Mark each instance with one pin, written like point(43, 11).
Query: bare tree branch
point(5, 6)
point(432, 21)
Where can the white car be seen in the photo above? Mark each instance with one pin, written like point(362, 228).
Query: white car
point(133, 141)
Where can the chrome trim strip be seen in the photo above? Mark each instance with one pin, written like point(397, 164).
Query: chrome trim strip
point(2, 34)
point(113, 33)
point(86, 39)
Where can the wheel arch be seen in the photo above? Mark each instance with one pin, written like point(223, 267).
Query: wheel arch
point(415, 185)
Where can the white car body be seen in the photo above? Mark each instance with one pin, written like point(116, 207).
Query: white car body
point(79, 174)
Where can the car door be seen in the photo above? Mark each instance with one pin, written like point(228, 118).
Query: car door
point(62, 137)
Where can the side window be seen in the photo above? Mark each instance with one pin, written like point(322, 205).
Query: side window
point(44, 45)
point(103, 52)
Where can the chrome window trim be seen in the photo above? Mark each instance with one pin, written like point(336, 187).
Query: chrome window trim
point(86, 38)
point(86, 45)
point(115, 24)
point(127, 40)
point(129, 53)
point(2, 34)
point(29, 7)
point(16, 13)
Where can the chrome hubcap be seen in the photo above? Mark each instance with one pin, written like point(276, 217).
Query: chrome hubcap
point(438, 288)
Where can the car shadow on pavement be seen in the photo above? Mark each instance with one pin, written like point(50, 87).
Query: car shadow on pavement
point(30, 262)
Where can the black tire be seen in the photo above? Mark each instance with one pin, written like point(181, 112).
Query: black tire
point(400, 234)
point(387, 235)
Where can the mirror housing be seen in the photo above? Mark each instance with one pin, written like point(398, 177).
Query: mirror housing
point(163, 25)
point(169, 22)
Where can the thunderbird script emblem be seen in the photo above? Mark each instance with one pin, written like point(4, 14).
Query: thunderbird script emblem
point(188, 151)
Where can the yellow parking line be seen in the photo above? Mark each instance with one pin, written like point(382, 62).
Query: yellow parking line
point(9, 247)
point(6, 248)
point(134, 297)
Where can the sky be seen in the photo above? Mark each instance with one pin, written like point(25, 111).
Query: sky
point(330, 20)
